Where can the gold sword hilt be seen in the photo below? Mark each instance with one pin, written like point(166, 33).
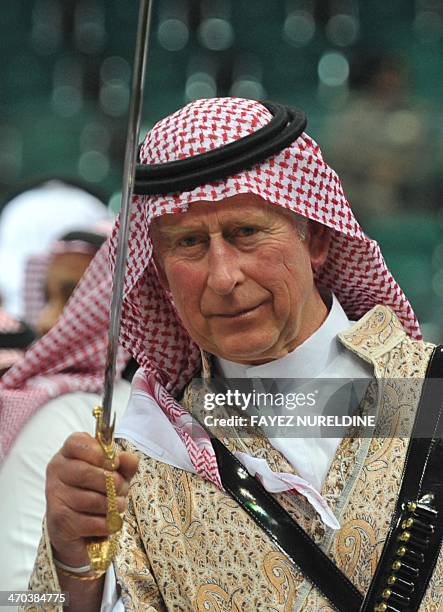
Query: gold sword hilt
point(101, 551)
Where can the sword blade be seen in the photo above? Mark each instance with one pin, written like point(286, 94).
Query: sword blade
point(135, 111)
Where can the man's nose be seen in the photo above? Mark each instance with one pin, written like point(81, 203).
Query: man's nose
point(224, 269)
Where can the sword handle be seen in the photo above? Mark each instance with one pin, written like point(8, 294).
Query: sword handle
point(101, 551)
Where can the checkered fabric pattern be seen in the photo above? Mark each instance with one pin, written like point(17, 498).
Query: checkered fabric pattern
point(297, 179)
point(8, 357)
point(34, 300)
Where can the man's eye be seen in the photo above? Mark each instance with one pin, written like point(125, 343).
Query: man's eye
point(189, 241)
point(247, 230)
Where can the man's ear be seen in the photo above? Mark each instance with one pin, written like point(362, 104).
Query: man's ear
point(319, 240)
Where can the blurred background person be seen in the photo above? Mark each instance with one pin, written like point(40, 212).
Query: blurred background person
point(70, 257)
point(31, 220)
point(51, 277)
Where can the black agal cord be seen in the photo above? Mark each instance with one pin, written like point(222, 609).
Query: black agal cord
point(286, 125)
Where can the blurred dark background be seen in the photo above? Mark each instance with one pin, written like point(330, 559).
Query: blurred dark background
point(368, 73)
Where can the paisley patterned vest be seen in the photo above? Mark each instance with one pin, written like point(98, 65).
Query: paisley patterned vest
point(186, 545)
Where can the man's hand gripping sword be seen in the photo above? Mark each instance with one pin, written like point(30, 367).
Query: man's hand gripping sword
point(102, 551)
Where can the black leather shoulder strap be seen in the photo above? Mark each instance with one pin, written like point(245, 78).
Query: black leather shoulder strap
point(285, 532)
point(414, 540)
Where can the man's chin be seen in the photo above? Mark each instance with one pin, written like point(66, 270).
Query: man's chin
point(246, 351)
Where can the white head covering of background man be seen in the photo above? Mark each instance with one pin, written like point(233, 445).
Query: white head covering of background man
point(31, 221)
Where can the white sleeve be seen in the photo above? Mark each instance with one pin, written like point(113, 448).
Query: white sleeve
point(111, 602)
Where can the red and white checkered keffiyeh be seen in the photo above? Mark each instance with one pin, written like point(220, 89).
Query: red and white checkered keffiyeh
point(71, 357)
point(297, 179)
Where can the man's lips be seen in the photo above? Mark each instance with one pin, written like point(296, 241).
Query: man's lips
point(237, 313)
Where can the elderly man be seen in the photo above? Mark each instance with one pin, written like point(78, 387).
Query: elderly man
point(258, 274)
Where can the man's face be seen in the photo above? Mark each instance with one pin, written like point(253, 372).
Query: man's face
point(64, 272)
point(241, 277)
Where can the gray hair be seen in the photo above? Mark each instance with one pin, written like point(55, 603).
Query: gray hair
point(300, 222)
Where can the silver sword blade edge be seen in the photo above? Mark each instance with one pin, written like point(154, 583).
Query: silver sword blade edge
point(135, 111)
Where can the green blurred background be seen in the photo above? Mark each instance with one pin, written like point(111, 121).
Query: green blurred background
point(368, 73)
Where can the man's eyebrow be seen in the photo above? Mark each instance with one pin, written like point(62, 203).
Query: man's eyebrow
point(169, 231)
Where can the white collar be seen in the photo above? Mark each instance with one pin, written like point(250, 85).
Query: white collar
point(146, 426)
point(307, 361)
